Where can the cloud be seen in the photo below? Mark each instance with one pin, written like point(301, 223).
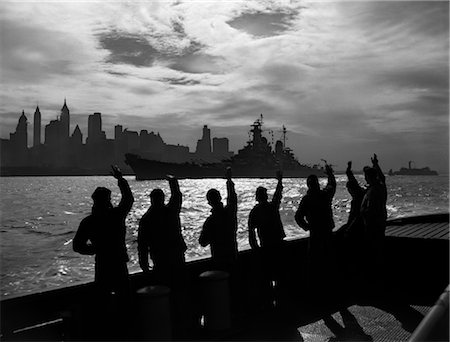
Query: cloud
point(337, 74)
point(180, 81)
point(260, 24)
point(128, 49)
point(34, 54)
point(427, 78)
point(197, 63)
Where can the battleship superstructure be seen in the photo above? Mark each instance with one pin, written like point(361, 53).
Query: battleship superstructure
point(255, 160)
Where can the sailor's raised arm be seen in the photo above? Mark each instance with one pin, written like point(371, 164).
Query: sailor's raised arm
point(231, 192)
point(377, 167)
point(126, 202)
point(331, 184)
point(175, 192)
point(81, 243)
point(279, 190)
point(352, 182)
point(349, 172)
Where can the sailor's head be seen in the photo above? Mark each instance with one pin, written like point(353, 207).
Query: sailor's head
point(102, 198)
point(261, 194)
point(313, 183)
point(157, 197)
point(370, 175)
point(213, 197)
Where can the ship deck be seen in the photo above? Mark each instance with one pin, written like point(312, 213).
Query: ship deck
point(358, 311)
point(353, 307)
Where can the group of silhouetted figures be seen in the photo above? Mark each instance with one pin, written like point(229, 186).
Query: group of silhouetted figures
point(103, 232)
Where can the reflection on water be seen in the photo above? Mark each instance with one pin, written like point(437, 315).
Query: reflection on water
point(39, 217)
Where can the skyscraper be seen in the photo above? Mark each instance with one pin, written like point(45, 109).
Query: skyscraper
point(19, 139)
point(53, 132)
point(37, 127)
point(203, 149)
point(95, 133)
point(65, 122)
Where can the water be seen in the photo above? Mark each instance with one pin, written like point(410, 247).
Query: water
point(40, 215)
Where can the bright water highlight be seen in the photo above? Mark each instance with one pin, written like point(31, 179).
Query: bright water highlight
point(40, 215)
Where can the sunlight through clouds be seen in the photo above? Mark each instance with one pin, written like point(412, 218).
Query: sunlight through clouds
point(338, 74)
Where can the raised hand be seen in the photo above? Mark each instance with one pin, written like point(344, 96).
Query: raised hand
point(328, 169)
point(170, 178)
point(349, 165)
point(374, 159)
point(116, 173)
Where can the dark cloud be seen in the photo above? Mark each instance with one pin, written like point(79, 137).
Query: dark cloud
point(137, 51)
point(261, 24)
point(180, 81)
point(178, 27)
point(428, 106)
point(414, 77)
point(115, 73)
point(128, 49)
point(429, 86)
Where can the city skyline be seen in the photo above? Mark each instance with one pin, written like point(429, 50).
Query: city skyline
point(346, 78)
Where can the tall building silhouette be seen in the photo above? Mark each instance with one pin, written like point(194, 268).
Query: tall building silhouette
point(118, 132)
point(95, 133)
point(53, 133)
point(203, 149)
point(65, 122)
point(37, 127)
point(19, 139)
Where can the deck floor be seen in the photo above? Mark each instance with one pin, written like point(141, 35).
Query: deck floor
point(359, 317)
point(366, 323)
point(438, 230)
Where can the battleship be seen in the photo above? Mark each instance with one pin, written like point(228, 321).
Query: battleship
point(255, 160)
point(410, 171)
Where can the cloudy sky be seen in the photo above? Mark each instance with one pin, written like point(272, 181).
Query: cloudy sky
point(346, 78)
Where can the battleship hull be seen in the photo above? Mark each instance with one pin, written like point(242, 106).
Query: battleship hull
point(146, 169)
point(414, 172)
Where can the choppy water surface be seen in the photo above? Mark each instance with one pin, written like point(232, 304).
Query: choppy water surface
point(40, 215)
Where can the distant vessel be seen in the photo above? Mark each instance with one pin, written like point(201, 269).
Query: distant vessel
point(255, 160)
point(425, 171)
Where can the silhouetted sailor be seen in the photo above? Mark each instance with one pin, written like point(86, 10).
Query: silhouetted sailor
point(316, 216)
point(354, 228)
point(373, 210)
point(103, 234)
point(160, 235)
point(265, 219)
point(354, 221)
point(219, 229)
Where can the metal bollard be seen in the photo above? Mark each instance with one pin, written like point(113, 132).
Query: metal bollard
point(216, 300)
point(153, 306)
